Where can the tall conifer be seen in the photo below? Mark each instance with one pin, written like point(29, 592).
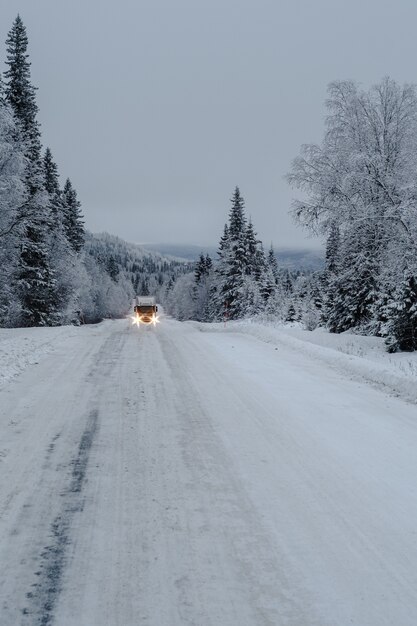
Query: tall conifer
point(73, 218)
point(35, 276)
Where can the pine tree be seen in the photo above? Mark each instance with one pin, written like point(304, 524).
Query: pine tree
point(233, 266)
point(332, 249)
point(329, 275)
point(273, 264)
point(237, 220)
point(251, 250)
point(200, 268)
point(113, 270)
point(354, 288)
point(291, 313)
point(51, 178)
point(216, 306)
point(73, 222)
point(35, 276)
point(20, 93)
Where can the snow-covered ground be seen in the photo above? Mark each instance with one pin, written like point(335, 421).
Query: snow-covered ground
point(196, 474)
point(364, 358)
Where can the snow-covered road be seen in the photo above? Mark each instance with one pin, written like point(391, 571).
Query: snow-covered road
point(171, 477)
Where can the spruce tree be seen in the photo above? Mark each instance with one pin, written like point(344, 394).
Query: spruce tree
point(401, 327)
point(50, 169)
point(73, 219)
point(217, 304)
point(237, 220)
point(200, 268)
point(329, 281)
point(234, 260)
point(354, 288)
point(251, 250)
point(20, 93)
point(35, 276)
point(273, 264)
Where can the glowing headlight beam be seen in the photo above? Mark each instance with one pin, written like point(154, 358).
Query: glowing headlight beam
point(137, 320)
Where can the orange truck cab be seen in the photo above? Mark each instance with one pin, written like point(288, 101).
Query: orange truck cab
point(145, 309)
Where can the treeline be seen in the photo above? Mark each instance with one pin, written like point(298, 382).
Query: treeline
point(360, 192)
point(51, 270)
point(41, 226)
point(360, 188)
point(244, 281)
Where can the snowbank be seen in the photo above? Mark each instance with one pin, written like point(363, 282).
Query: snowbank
point(363, 358)
point(21, 347)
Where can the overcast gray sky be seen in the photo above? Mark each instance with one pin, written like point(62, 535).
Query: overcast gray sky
point(157, 109)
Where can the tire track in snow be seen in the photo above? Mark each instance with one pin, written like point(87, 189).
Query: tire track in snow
point(43, 598)
point(53, 558)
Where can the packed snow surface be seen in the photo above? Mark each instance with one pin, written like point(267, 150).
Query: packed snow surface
point(202, 475)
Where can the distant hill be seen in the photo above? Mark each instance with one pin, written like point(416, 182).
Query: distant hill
point(296, 259)
point(180, 251)
point(288, 258)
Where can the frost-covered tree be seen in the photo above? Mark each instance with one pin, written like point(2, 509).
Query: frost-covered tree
point(65, 261)
point(35, 276)
point(73, 219)
point(360, 188)
point(19, 91)
point(401, 327)
point(232, 266)
point(12, 196)
point(273, 264)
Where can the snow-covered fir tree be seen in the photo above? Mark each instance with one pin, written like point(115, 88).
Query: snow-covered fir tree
point(35, 276)
point(12, 196)
point(400, 329)
point(73, 219)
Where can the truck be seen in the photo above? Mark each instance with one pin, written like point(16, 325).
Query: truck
point(145, 310)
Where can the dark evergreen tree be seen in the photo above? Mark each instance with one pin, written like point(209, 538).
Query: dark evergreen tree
point(51, 184)
point(50, 169)
point(287, 283)
point(332, 249)
point(20, 93)
point(291, 313)
point(73, 219)
point(354, 287)
point(200, 268)
point(35, 278)
point(401, 327)
point(273, 264)
point(251, 260)
point(144, 289)
point(112, 268)
point(232, 266)
point(237, 219)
